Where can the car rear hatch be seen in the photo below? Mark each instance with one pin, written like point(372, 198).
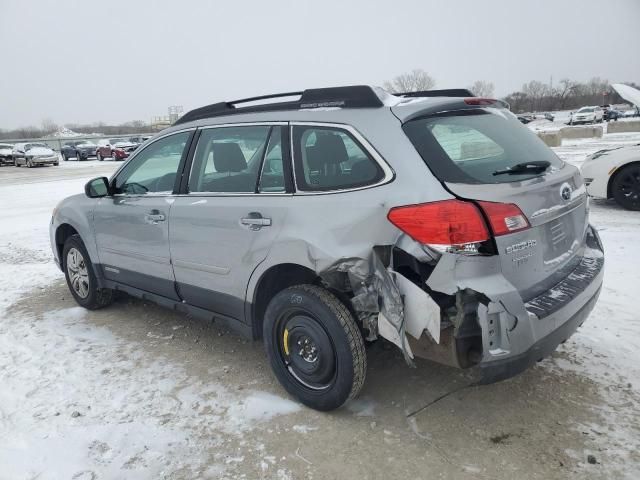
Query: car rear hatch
point(487, 157)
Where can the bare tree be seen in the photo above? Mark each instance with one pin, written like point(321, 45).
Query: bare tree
point(565, 89)
point(49, 126)
point(482, 88)
point(413, 81)
point(535, 90)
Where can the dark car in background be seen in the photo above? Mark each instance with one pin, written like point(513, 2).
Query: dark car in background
point(81, 150)
point(5, 154)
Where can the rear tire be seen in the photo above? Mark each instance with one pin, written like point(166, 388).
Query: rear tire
point(314, 346)
point(80, 275)
point(625, 187)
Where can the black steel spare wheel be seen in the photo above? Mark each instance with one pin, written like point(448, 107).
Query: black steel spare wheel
point(306, 350)
point(314, 346)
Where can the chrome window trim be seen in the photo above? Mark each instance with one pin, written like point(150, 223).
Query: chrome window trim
point(134, 155)
point(234, 194)
point(389, 174)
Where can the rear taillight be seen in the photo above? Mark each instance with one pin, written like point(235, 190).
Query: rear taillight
point(449, 222)
point(457, 224)
point(504, 217)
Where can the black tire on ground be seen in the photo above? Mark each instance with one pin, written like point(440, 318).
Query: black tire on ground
point(625, 187)
point(56, 164)
point(314, 346)
point(96, 297)
point(64, 157)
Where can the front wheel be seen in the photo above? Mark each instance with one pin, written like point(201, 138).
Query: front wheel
point(80, 275)
point(314, 346)
point(625, 187)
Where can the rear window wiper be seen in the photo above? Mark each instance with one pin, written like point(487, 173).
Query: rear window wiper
point(524, 167)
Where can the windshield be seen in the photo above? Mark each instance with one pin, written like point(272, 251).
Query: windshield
point(586, 110)
point(117, 140)
point(86, 144)
point(468, 146)
point(29, 146)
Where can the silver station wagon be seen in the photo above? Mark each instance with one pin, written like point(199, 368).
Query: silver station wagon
point(321, 220)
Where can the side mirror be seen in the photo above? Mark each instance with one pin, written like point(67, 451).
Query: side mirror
point(97, 188)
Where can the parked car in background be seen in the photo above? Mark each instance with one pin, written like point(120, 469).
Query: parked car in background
point(115, 148)
point(586, 115)
point(34, 154)
point(68, 150)
point(525, 118)
point(460, 237)
point(81, 150)
point(632, 113)
point(614, 173)
point(139, 140)
point(549, 116)
point(613, 115)
point(5, 154)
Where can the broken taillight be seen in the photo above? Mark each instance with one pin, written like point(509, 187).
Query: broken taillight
point(457, 223)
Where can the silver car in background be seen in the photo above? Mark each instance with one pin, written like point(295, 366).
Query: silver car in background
point(33, 155)
point(433, 220)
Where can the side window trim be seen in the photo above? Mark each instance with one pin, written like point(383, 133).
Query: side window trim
point(388, 172)
point(122, 169)
point(287, 161)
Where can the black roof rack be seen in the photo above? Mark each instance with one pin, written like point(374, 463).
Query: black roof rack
point(449, 92)
point(356, 96)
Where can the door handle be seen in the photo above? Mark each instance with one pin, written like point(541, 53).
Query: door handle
point(154, 217)
point(255, 221)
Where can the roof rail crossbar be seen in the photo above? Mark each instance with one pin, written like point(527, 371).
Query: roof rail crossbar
point(355, 96)
point(449, 92)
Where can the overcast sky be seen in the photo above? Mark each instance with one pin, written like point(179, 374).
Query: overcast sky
point(114, 61)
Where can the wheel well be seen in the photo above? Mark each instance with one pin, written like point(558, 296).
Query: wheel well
point(63, 232)
point(609, 194)
point(274, 280)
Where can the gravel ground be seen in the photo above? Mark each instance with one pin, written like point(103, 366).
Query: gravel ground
point(136, 391)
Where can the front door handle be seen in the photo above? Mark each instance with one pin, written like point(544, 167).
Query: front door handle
point(154, 216)
point(255, 221)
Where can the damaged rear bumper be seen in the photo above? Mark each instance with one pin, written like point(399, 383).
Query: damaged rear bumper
point(552, 318)
point(497, 370)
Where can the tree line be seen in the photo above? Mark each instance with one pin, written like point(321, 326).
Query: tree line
point(49, 127)
point(534, 96)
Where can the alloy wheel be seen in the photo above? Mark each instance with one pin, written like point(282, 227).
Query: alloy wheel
point(78, 273)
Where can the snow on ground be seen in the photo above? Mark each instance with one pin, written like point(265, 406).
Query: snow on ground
point(607, 347)
point(69, 386)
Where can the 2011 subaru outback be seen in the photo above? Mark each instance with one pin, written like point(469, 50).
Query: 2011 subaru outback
point(433, 219)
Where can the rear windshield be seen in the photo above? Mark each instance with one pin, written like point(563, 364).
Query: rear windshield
point(468, 146)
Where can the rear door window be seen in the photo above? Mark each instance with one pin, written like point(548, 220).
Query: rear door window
point(469, 146)
point(328, 158)
point(239, 159)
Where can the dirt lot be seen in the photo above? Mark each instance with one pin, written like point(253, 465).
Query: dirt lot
point(135, 391)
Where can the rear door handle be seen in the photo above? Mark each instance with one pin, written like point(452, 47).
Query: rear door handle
point(154, 216)
point(255, 221)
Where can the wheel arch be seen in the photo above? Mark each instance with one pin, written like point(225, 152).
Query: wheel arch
point(273, 280)
point(63, 232)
